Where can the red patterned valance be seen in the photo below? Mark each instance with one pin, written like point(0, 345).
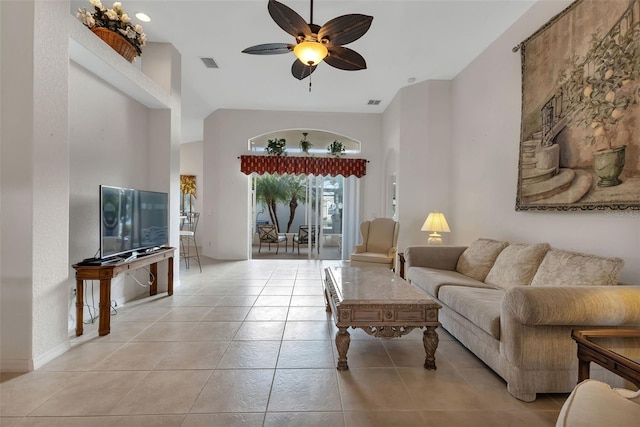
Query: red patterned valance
point(325, 166)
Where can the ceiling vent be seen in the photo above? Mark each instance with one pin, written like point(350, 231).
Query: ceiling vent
point(209, 62)
point(374, 102)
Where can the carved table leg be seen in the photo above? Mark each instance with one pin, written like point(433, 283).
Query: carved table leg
point(170, 277)
point(104, 327)
point(342, 344)
point(153, 278)
point(430, 341)
point(79, 307)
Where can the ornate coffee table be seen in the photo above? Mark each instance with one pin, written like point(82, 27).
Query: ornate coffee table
point(380, 303)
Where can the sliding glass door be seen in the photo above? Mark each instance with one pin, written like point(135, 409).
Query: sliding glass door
point(327, 209)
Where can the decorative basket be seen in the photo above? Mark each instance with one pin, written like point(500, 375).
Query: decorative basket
point(117, 42)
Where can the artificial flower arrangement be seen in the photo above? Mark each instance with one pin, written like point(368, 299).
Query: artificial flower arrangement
point(114, 19)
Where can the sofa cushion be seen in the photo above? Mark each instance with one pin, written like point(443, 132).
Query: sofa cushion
point(516, 265)
point(479, 306)
point(565, 268)
point(593, 403)
point(431, 279)
point(478, 258)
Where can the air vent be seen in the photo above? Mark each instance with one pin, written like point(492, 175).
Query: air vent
point(209, 62)
point(374, 102)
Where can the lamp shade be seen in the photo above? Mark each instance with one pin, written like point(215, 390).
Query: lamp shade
point(436, 222)
point(310, 52)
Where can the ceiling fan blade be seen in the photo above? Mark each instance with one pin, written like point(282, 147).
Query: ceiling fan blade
point(345, 29)
point(345, 59)
point(301, 71)
point(288, 19)
point(269, 49)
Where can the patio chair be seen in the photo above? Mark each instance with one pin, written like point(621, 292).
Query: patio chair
point(268, 233)
point(302, 237)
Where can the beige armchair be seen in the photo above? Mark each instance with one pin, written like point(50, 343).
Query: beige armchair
point(379, 244)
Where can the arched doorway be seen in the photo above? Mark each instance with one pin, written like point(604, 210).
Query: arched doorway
point(324, 205)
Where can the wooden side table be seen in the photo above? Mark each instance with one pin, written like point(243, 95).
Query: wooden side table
point(611, 349)
point(104, 273)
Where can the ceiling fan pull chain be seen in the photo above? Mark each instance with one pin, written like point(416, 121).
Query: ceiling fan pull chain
point(309, 77)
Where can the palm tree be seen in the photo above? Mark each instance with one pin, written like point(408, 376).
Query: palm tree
point(271, 189)
point(297, 191)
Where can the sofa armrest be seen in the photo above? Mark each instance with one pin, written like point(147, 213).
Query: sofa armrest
point(440, 257)
point(574, 305)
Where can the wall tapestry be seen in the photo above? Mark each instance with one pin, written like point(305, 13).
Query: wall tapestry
point(580, 130)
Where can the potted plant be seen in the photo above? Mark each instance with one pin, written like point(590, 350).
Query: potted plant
point(276, 147)
point(305, 145)
point(115, 28)
point(336, 148)
point(600, 90)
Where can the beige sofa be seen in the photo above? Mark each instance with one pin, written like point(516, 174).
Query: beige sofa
point(514, 305)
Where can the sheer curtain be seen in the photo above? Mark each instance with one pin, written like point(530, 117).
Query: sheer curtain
point(351, 216)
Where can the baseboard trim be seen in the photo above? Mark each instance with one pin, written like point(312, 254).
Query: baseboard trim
point(48, 356)
point(16, 365)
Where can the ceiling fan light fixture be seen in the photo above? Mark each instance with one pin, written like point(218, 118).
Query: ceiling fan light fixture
point(310, 52)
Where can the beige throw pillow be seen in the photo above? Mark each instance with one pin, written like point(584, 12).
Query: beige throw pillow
point(516, 265)
point(565, 268)
point(478, 258)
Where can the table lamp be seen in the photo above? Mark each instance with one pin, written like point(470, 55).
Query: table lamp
point(435, 222)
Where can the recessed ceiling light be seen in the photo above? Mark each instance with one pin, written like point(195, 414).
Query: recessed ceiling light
point(143, 17)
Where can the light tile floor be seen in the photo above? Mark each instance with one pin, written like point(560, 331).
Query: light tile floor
point(249, 343)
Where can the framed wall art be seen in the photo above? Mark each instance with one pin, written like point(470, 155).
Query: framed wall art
point(580, 129)
point(187, 192)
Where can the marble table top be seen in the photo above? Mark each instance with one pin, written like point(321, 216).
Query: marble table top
point(373, 285)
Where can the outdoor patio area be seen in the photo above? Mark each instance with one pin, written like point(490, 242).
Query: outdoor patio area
point(329, 251)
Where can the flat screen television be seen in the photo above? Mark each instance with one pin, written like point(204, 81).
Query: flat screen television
point(132, 220)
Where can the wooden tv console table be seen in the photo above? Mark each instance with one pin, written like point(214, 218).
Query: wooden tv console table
point(104, 273)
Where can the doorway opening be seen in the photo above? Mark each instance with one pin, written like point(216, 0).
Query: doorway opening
point(311, 212)
point(316, 216)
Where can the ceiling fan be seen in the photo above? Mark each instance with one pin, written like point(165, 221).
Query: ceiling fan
point(315, 43)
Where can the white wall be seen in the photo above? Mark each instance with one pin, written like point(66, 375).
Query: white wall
point(191, 163)
point(225, 220)
point(109, 144)
point(41, 216)
point(486, 99)
point(424, 147)
point(34, 182)
point(17, 185)
point(391, 149)
point(417, 124)
point(120, 142)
